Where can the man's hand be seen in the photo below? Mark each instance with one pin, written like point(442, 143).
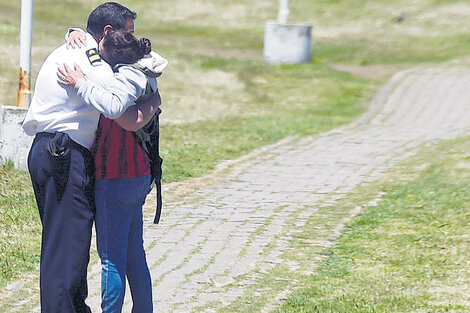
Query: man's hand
point(69, 77)
point(76, 38)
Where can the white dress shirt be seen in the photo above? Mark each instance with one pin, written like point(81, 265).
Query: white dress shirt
point(56, 108)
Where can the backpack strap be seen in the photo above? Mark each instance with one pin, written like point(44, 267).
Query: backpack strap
point(158, 212)
point(145, 70)
point(149, 139)
point(144, 136)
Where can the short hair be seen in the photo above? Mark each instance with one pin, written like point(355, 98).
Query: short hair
point(122, 47)
point(109, 13)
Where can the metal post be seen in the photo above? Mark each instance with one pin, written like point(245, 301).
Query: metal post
point(26, 31)
point(283, 16)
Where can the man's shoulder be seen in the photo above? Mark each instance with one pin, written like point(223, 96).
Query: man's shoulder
point(90, 45)
point(87, 56)
point(90, 42)
point(89, 49)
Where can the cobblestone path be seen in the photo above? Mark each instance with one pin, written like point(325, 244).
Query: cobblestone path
point(215, 243)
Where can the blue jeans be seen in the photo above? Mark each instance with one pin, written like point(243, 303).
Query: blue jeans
point(119, 229)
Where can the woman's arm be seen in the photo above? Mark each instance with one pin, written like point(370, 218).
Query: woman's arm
point(137, 116)
point(122, 91)
point(75, 37)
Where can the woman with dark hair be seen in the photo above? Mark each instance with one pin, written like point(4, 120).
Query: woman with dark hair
point(122, 169)
point(122, 47)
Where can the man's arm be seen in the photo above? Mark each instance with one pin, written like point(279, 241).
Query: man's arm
point(137, 116)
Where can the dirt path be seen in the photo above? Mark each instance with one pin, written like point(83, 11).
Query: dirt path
point(215, 243)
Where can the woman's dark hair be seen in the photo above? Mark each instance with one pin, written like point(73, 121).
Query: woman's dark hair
point(146, 45)
point(109, 13)
point(122, 47)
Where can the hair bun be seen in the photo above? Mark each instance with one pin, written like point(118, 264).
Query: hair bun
point(145, 45)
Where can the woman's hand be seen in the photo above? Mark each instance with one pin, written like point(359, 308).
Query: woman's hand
point(69, 77)
point(76, 38)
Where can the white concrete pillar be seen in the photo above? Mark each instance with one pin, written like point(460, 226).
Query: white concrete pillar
point(26, 35)
point(283, 16)
point(287, 43)
point(14, 143)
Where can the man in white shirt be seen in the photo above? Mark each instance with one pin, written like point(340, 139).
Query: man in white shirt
point(61, 164)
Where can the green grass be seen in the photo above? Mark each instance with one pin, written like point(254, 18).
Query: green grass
point(19, 224)
point(324, 99)
point(410, 253)
point(217, 72)
point(277, 101)
point(395, 52)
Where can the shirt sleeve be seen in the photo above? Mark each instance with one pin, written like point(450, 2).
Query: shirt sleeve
point(123, 90)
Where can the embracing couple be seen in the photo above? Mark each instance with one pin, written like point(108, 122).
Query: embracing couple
point(87, 164)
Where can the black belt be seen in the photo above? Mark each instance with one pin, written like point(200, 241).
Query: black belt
point(71, 142)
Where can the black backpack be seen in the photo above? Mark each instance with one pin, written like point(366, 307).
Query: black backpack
point(149, 137)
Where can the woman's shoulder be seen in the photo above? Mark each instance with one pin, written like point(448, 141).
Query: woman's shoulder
point(128, 70)
point(154, 62)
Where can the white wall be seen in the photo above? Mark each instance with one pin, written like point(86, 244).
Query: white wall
point(14, 143)
point(287, 43)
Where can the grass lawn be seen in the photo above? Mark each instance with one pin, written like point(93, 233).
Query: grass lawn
point(220, 100)
point(20, 226)
point(410, 253)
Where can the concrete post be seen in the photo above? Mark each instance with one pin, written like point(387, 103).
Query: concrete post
point(26, 31)
point(287, 43)
point(14, 143)
point(283, 16)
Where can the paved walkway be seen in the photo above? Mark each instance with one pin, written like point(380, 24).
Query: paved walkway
point(216, 242)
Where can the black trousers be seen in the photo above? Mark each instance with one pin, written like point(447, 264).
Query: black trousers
point(62, 173)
